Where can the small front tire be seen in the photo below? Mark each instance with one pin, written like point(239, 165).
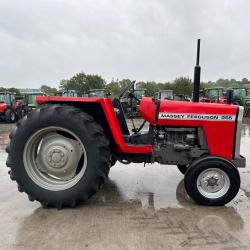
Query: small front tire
point(212, 181)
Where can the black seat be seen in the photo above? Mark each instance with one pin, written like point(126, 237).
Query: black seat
point(120, 116)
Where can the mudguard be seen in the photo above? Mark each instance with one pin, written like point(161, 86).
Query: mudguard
point(108, 109)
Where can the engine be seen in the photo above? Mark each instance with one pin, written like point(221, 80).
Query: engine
point(173, 145)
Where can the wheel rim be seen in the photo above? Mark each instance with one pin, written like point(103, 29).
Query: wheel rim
point(12, 116)
point(213, 183)
point(55, 158)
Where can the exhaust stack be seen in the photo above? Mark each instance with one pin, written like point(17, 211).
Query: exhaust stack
point(197, 75)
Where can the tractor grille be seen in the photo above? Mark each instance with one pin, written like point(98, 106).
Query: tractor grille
point(238, 133)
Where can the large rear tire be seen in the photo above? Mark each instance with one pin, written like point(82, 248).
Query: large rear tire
point(58, 155)
point(212, 181)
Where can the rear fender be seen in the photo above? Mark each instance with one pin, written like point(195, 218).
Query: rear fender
point(3, 107)
point(103, 111)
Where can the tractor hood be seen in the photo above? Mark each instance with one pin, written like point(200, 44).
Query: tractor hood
point(185, 111)
point(219, 121)
point(3, 107)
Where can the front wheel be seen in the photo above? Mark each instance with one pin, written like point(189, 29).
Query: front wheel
point(10, 116)
point(58, 156)
point(212, 181)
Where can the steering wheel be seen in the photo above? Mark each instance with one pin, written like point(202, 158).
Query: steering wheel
point(132, 96)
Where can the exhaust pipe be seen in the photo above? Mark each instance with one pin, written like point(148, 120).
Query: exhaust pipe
point(197, 75)
point(229, 96)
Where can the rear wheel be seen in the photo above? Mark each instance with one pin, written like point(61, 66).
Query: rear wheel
point(10, 116)
point(212, 181)
point(58, 156)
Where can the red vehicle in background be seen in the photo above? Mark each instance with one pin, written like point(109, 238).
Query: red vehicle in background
point(7, 107)
point(12, 108)
point(213, 95)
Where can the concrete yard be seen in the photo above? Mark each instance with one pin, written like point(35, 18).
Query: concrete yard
point(138, 208)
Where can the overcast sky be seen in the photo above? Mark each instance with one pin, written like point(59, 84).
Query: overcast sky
point(42, 42)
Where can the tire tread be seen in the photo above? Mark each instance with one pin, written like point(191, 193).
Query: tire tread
point(95, 132)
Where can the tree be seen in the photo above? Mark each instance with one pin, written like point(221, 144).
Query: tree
point(82, 82)
point(117, 86)
point(114, 88)
point(244, 81)
point(183, 85)
point(150, 87)
point(232, 80)
point(220, 82)
point(48, 90)
point(12, 90)
point(124, 83)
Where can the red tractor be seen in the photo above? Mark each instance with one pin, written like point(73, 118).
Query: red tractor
point(61, 153)
point(7, 107)
point(215, 95)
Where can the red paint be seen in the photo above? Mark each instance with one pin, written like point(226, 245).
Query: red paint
point(111, 118)
point(221, 100)
point(147, 109)
point(3, 107)
point(219, 134)
point(17, 104)
point(205, 99)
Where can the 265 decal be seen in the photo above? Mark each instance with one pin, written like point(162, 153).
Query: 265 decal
point(204, 117)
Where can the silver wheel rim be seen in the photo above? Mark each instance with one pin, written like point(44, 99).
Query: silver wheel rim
point(12, 116)
point(55, 158)
point(213, 183)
